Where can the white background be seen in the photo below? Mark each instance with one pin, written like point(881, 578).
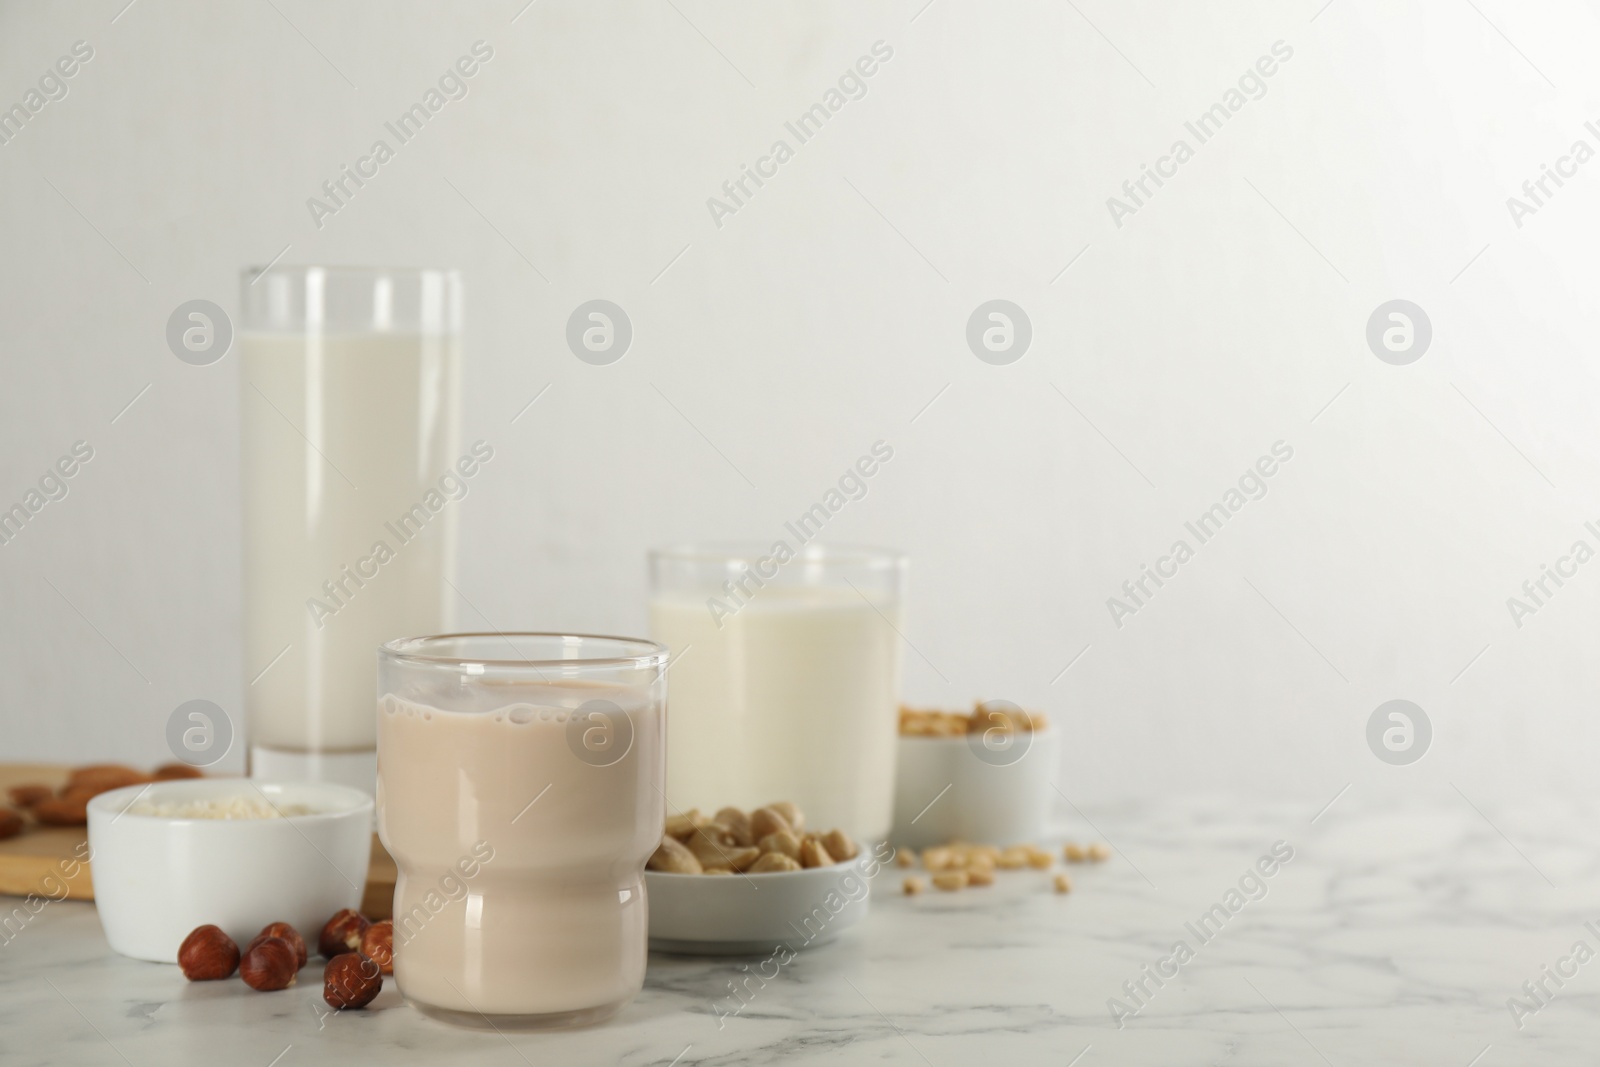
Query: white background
point(828, 312)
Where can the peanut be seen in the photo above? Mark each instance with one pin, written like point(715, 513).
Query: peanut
point(839, 845)
point(767, 821)
point(711, 844)
point(938, 858)
point(1074, 853)
point(784, 842)
point(738, 823)
point(791, 814)
point(1063, 884)
point(950, 881)
point(682, 825)
point(1013, 858)
point(814, 854)
point(1099, 852)
point(741, 859)
point(774, 861)
point(904, 857)
point(980, 875)
point(912, 886)
point(674, 857)
point(1039, 859)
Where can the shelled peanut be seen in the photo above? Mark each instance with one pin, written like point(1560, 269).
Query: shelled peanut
point(959, 865)
point(768, 840)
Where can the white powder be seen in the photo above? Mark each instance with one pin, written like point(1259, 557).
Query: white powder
point(221, 808)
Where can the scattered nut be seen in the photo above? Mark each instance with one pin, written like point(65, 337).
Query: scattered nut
point(270, 965)
point(937, 858)
point(58, 811)
point(904, 857)
point(840, 845)
point(774, 861)
point(10, 823)
point(950, 881)
point(377, 944)
point(1063, 884)
point(673, 857)
point(1074, 853)
point(208, 954)
point(1013, 858)
point(26, 796)
point(765, 821)
point(342, 933)
point(912, 886)
point(1039, 859)
point(738, 824)
point(681, 826)
point(1099, 852)
point(287, 933)
point(814, 854)
point(351, 980)
point(980, 875)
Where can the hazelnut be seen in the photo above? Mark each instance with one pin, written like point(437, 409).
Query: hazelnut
point(351, 980)
point(377, 944)
point(10, 823)
point(59, 811)
point(208, 954)
point(169, 771)
point(289, 934)
point(342, 934)
point(270, 964)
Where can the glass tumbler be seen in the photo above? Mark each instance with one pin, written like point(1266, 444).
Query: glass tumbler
point(785, 678)
point(519, 792)
point(349, 400)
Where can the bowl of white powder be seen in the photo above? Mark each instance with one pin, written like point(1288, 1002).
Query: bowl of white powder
point(237, 853)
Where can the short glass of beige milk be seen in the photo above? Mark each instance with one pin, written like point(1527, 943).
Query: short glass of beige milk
point(520, 794)
point(352, 473)
point(785, 677)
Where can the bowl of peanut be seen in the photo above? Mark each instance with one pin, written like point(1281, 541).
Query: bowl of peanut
point(982, 776)
point(741, 882)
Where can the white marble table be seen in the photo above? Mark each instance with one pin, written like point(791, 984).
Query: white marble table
point(1391, 937)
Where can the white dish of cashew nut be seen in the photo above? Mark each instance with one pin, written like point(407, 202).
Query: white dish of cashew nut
point(753, 882)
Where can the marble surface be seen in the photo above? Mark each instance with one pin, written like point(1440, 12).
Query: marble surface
point(1393, 936)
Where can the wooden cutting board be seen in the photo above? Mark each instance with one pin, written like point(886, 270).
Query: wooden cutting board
point(29, 860)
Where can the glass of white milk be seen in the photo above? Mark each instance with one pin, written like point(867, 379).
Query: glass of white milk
point(352, 473)
point(519, 792)
point(785, 678)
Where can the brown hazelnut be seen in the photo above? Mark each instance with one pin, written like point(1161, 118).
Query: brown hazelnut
point(377, 944)
point(26, 796)
point(351, 980)
point(169, 771)
point(208, 954)
point(10, 823)
point(270, 965)
point(343, 933)
point(58, 811)
point(289, 934)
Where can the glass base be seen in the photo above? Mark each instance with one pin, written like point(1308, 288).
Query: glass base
point(356, 769)
point(556, 1020)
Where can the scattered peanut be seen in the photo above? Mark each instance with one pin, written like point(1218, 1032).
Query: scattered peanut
point(1074, 853)
point(904, 857)
point(1039, 859)
point(938, 858)
point(913, 885)
point(950, 881)
point(1013, 858)
point(1099, 852)
point(1063, 884)
point(981, 875)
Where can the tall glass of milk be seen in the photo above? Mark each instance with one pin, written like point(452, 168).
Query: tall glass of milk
point(519, 791)
point(350, 411)
point(785, 678)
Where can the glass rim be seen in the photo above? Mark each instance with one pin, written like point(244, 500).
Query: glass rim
point(411, 650)
point(359, 269)
point(749, 551)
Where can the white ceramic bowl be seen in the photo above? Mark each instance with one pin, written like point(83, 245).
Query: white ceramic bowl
point(704, 914)
point(988, 798)
point(157, 878)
